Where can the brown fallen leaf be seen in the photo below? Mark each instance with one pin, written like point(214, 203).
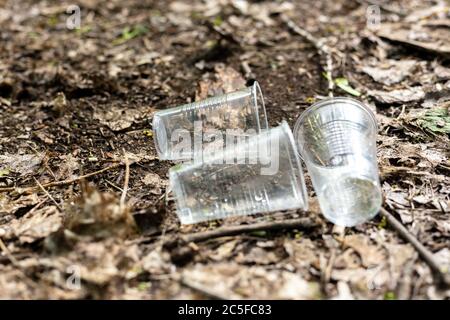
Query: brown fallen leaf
point(154, 181)
point(413, 94)
point(259, 256)
point(12, 206)
point(370, 254)
point(225, 79)
point(117, 118)
point(232, 280)
point(422, 37)
point(99, 215)
point(34, 226)
point(389, 72)
point(22, 164)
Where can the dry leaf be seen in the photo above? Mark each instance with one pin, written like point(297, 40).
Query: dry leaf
point(34, 225)
point(390, 72)
point(398, 96)
point(226, 79)
point(117, 118)
point(24, 164)
point(370, 254)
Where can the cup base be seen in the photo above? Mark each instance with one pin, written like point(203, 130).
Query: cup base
point(350, 201)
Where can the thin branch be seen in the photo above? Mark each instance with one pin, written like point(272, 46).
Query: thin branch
point(126, 181)
point(426, 255)
point(48, 194)
point(63, 182)
point(319, 44)
point(304, 223)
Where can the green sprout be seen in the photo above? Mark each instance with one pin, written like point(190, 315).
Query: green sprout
point(435, 121)
point(129, 33)
point(343, 84)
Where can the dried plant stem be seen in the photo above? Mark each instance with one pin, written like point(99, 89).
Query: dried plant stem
point(63, 182)
point(126, 181)
point(48, 194)
point(304, 223)
point(426, 255)
point(8, 253)
point(321, 47)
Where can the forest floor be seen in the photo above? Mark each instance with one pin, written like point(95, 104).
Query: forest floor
point(77, 103)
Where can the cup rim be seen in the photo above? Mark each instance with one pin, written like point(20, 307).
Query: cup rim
point(330, 100)
point(156, 136)
point(325, 102)
point(258, 96)
point(304, 193)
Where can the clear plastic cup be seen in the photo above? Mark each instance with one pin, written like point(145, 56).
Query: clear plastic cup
point(180, 131)
point(261, 174)
point(336, 138)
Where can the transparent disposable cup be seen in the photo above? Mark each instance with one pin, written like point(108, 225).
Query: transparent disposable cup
point(337, 140)
point(260, 174)
point(180, 131)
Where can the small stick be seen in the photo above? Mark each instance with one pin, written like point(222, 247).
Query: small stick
point(235, 230)
point(8, 253)
point(321, 47)
point(114, 186)
point(65, 182)
point(426, 255)
point(48, 195)
point(126, 181)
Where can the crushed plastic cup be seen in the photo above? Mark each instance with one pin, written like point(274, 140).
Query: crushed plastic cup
point(261, 174)
point(188, 131)
point(336, 138)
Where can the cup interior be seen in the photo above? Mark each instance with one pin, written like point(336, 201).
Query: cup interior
point(335, 130)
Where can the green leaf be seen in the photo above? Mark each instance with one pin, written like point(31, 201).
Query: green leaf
point(130, 33)
point(383, 223)
point(217, 21)
point(390, 296)
point(436, 120)
point(344, 85)
point(4, 172)
point(259, 233)
point(83, 30)
point(177, 167)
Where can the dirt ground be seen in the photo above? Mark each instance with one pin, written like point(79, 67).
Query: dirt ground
point(75, 102)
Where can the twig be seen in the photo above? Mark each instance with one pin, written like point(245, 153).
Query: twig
point(305, 223)
point(8, 253)
point(48, 194)
point(114, 186)
point(64, 182)
point(426, 255)
point(126, 181)
point(201, 289)
point(321, 47)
